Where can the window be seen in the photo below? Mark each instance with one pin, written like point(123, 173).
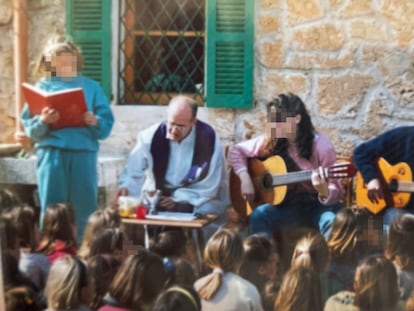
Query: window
point(203, 48)
point(163, 50)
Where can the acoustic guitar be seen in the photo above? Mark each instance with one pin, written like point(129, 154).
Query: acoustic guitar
point(270, 179)
point(397, 186)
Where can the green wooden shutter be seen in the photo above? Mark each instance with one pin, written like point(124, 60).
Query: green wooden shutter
point(229, 53)
point(88, 22)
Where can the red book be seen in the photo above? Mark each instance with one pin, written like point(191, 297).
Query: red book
point(70, 104)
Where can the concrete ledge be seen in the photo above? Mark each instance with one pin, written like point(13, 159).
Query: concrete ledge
point(23, 171)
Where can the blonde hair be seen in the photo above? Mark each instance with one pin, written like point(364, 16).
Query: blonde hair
point(56, 45)
point(311, 252)
point(224, 253)
point(67, 277)
point(300, 291)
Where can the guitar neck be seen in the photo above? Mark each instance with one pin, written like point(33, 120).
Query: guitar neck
point(405, 186)
point(291, 178)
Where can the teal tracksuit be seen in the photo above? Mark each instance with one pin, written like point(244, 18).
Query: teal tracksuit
point(67, 158)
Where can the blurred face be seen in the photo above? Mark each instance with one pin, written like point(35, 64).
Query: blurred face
point(283, 128)
point(65, 65)
point(179, 121)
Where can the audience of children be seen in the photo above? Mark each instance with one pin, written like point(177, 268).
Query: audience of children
point(375, 288)
point(32, 263)
point(243, 273)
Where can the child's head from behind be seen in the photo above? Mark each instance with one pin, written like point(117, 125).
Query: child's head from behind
point(24, 219)
point(223, 253)
point(183, 298)
point(224, 250)
point(107, 241)
point(300, 290)
point(376, 284)
point(139, 280)
point(311, 252)
point(98, 220)
point(169, 243)
point(184, 272)
point(260, 257)
point(59, 223)
point(67, 286)
point(347, 240)
point(60, 58)
point(400, 241)
point(101, 271)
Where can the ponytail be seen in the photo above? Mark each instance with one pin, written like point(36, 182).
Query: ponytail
point(212, 285)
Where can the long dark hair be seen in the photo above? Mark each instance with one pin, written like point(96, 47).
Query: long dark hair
point(376, 284)
point(291, 105)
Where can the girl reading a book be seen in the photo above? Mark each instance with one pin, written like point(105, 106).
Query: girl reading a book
point(67, 157)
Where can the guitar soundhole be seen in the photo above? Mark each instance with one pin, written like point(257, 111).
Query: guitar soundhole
point(393, 185)
point(267, 181)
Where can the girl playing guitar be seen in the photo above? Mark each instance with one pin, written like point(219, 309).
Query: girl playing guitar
point(291, 135)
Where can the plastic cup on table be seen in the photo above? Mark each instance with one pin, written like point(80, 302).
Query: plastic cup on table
point(140, 212)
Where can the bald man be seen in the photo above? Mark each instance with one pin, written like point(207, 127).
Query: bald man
point(185, 158)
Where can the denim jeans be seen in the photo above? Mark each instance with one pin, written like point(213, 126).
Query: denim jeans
point(303, 209)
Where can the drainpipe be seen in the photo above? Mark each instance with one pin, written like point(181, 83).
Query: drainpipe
point(20, 43)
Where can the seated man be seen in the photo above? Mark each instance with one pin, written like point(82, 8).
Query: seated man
point(183, 158)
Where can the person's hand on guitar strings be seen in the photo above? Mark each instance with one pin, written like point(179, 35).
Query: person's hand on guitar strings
point(374, 191)
point(320, 182)
point(247, 188)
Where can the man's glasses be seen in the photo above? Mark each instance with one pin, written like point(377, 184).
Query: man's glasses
point(179, 127)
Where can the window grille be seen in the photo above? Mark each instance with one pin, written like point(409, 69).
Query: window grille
point(162, 50)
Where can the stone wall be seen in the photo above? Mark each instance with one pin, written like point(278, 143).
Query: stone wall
point(350, 60)
point(44, 17)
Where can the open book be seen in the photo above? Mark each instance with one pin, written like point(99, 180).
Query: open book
point(70, 104)
point(172, 216)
